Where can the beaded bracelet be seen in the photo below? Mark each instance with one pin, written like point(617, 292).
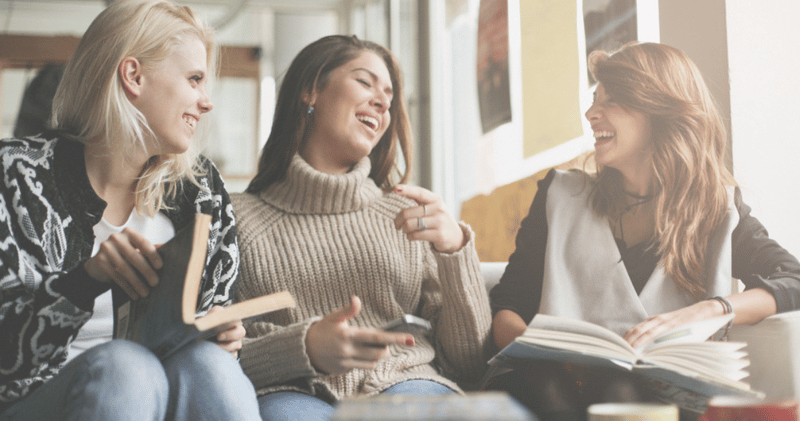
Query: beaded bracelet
point(727, 308)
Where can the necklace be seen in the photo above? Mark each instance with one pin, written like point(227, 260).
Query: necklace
point(640, 200)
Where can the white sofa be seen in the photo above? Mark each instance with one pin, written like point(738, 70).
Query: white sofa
point(773, 346)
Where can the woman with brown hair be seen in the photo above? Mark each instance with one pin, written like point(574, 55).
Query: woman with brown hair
point(325, 219)
point(649, 242)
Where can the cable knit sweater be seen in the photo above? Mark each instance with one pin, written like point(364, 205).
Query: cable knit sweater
point(328, 237)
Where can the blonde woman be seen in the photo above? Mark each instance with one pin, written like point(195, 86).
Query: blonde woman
point(648, 243)
point(84, 207)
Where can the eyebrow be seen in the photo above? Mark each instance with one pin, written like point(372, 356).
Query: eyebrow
point(388, 89)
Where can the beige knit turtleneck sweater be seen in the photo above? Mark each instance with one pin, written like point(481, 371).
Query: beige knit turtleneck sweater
point(325, 238)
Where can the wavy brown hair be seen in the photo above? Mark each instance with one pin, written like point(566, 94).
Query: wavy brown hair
point(309, 72)
point(689, 143)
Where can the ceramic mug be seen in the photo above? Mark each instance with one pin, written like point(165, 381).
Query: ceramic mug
point(731, 408)
point(632, 412)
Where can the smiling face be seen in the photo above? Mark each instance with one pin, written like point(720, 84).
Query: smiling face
point(173, 97)
point(351, 114)
point(622, 136)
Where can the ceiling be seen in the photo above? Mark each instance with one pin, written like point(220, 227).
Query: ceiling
point(20, 15)
point(279, 4)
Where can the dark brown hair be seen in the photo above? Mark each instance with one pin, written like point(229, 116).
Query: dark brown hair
point(309, 73)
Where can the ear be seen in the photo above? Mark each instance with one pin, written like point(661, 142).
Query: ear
point(130, 73)
point(309, 98)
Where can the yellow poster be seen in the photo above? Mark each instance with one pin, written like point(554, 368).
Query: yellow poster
point(550, 74)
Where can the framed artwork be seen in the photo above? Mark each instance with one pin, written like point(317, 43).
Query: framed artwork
point(609, 25)
point(494, 95)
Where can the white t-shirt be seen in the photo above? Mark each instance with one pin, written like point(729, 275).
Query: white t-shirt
point(99, 329)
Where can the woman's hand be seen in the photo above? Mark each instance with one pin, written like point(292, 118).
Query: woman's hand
point(647, 330)
point(230, 339)
point(128, 260)
point(334, 347)
point(430, 221)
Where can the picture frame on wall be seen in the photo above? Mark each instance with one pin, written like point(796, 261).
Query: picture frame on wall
point(609, 25)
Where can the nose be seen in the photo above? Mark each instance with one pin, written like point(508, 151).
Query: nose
point(593, 113)
point(380, 101)
point(205, 103)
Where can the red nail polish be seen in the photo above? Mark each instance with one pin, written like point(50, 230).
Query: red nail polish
point(409, 342)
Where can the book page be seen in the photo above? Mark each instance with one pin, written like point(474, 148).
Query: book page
point(711, 356)
point(563, 324)
point(522, 351)
point(692, 369)
point(717, 360)
point(692, 332)
point(577, 343)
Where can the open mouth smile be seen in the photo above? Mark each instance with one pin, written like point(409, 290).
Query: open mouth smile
point(191, 121)
point(603, 136)
point(368, 121)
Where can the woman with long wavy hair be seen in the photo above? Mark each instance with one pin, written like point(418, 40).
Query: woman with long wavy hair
point(648, 243)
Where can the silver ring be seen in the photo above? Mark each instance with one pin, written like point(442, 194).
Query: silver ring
point(421, 224)
point(424, 210)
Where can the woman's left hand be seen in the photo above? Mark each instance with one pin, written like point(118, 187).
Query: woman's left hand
point(230, 339)
point(647, 330)
point(430, 221)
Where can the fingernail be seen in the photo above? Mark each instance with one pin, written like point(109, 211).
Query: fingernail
point(398, 189)
point(409, 342)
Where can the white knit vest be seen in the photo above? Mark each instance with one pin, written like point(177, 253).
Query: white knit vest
point(585, 278)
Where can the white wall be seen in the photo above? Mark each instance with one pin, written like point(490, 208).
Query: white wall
point(765, 112)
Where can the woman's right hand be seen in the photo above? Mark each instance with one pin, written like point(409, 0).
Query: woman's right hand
point(128, 260)
point(334, 347)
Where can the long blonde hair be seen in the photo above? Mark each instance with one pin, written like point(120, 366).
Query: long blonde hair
point(689, 143)
point(90, 103)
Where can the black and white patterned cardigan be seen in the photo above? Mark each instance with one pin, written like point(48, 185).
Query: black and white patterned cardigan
point(47, 212)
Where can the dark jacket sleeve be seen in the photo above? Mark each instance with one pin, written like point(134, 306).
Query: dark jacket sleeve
point(760, 262)
point(42, 306)
point(520, 287)
point(222, 262)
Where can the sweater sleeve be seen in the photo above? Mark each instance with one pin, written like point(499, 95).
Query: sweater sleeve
point(274, 351)
point(273, 354)
point(520, 287)
point(454, 299)
point(760, 262)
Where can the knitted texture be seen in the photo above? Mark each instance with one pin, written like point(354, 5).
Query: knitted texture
point(327, 237)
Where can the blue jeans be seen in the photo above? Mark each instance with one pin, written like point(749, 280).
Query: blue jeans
point(296, 406)
point(120, 380)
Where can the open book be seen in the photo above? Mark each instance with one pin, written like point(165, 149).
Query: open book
point(681, 366)
point(165, 319)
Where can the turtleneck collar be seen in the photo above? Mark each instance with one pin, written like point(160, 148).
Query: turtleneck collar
point(308, 191)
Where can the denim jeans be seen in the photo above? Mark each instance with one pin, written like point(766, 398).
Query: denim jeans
point(120, 380)
point(296, 406)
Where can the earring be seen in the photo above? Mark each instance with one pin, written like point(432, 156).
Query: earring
point(311, 109)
